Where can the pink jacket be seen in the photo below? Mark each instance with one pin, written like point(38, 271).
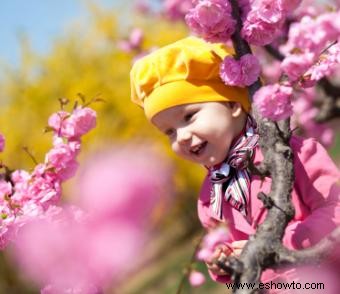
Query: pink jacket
point(316, 197)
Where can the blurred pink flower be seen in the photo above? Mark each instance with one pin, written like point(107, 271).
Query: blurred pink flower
point(288, 6)
point(215, 237)
point(70, 249)
point(2, 143)
point(274, 101)
point(123, 183)
point(211, 20)
point(304, 118)
point(177, 9)
point(142, 6)
point(134, 42)
point(272, 72)
point(196, 278)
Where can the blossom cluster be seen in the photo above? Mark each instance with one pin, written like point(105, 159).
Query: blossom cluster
point(25, 195)
point(211, 20)
point(274, 101)
point(240, 73)
point(85, 247)
point(263, 21)
point(308, 59)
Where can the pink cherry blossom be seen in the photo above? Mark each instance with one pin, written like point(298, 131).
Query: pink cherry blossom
point(54, 249)
point(5, 189)
point(30, 195)
point(258, 32)
point(215, 237)
point(274, 102)
point(2, 143)
point(289, 6)
point(57, 121)
point(75, 124)
point(231, 72)
point(296, 65)
point(251, 69)
point(268, 11)
point(81, 121)
point(196, 278)
point(211, 20)
point(240, 73)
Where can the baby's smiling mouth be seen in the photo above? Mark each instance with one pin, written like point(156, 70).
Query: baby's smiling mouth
point(198, 149)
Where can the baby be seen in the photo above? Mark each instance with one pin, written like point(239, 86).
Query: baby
point(209, 123)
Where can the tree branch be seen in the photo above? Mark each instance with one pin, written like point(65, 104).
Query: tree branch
point(264, 248)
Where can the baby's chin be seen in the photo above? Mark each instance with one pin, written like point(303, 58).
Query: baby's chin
point(213, 161)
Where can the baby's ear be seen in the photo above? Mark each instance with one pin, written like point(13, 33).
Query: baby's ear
point(236, 109)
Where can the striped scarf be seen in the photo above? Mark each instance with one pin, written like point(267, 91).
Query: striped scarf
point(231, 179)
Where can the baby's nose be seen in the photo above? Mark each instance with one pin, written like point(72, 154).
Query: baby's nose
point(183, 136)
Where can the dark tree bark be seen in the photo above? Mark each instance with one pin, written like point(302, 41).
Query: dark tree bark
point(265, 248)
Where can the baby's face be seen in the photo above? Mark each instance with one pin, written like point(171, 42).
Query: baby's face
point(201, 132)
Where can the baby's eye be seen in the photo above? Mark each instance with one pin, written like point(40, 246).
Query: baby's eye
point(189, 116)
point(169, 132)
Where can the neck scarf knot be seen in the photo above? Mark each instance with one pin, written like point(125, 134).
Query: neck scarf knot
point(231, 179)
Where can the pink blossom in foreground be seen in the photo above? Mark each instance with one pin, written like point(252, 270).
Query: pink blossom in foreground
point(196, 278)
point(274, 102)
point(215, 237)
point(240, 73)
point(2, 143)
point(88, 248)
point(211, 20)
point(124, 181)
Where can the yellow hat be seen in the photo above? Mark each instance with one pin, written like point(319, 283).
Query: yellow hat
point(183, 72)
